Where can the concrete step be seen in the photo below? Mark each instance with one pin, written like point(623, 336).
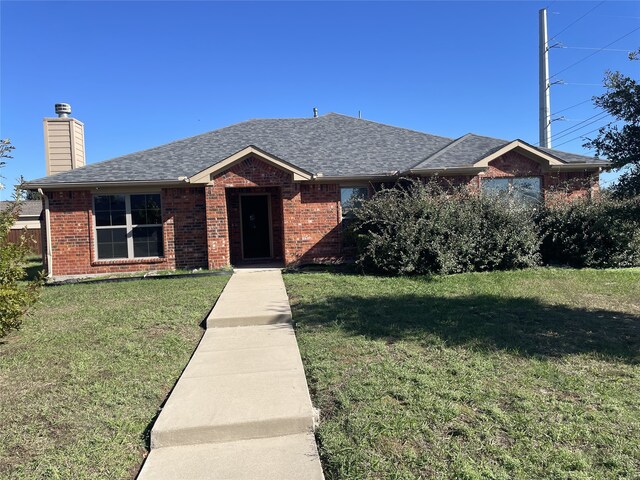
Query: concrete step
point(258, 298)
point(242, 383)
point(292, 457)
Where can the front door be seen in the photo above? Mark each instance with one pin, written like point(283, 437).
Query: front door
point(256, 231)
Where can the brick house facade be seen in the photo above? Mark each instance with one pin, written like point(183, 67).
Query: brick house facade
point(252, 206)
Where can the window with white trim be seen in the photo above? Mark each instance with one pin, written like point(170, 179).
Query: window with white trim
point(525, 190)
point(128, 226)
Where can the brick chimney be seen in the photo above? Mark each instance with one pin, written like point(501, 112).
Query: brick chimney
point(63, 141)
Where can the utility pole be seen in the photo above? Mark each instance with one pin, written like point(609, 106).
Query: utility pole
point(545, 101)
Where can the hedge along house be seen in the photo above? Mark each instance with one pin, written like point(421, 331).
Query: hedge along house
point(262, 190)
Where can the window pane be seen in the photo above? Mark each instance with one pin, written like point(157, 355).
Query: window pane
point(154, 216)
point(110, 210)
point(147, 242)
point(137, 202)
point(138, 217)
point(118, 217)
point(145, 209)
point(495, 186)
point(103, 219)
point(112, 243)
point(352, 197)
point(102, 203)
point(117, 202)
point(527, 190)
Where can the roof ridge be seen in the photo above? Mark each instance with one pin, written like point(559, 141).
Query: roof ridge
point(487, 136)
point(386, 125)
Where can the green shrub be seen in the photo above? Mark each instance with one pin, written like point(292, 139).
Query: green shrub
point(423, 229)
point(15, 293)
point(585, 233)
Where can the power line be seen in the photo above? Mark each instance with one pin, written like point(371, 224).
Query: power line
point(583, 134)
point(575, 21)
point(573, 106)
point(582, 84)
point(592, 54)
point(599, 49)
point(576, 127)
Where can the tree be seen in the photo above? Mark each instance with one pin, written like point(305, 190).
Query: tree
point(15, 294)
point(621, 145)
point(28, 194)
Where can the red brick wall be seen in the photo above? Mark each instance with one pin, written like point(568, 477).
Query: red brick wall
point(556, 186)
point(245, 175)
point(315, 233)
point(309, 218)
point(187, 208)
point(72, 234)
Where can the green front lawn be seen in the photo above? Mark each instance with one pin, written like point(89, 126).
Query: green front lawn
point(82, 381)
point(528, 374)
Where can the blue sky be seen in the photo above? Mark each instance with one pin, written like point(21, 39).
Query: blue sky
point(140, 74)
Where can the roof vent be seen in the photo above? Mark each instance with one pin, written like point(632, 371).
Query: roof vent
point(315, 112)
point(63, 110)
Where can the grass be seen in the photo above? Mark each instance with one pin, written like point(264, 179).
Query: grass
point(527, 374)
point(82, 381)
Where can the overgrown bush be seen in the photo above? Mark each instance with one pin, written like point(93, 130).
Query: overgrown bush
point(15, 293)
point(585, 233)
point(423, 228)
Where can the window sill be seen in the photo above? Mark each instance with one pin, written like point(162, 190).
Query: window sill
point(128, 261)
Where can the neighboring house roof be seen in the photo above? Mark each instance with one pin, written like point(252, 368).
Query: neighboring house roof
point(331, 145)
point(28, 208)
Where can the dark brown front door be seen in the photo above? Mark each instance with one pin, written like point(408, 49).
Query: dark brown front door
point(256, 231)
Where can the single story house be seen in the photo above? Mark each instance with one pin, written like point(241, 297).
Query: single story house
point(27, 224)
point(262, 190)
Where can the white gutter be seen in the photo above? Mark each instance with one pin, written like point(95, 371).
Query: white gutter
point(447, 170)
point(579, 166)
point(47, 223)
point(319, 177)
point(67, 186)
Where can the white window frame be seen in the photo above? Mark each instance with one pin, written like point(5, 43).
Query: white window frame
point(129, 226)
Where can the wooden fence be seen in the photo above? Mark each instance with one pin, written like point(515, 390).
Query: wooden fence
point(33, 235)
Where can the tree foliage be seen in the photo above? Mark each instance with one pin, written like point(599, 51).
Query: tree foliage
point(15, 293)
point(602, 233)
point(621, 144)
point(421, 228)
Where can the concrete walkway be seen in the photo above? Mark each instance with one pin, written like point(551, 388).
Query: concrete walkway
point(241, 409)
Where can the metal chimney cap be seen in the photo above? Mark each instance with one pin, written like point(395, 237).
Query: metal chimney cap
point(63, 110)
point(315, 112)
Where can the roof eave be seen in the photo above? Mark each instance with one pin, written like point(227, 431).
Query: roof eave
point(319, 177)
point(127, 183)
point(579, 166)
point(447, 170)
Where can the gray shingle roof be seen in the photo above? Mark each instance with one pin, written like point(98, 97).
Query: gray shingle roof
point(464, 151)
point(572, 157)
point(332, 144)
point(28, 208)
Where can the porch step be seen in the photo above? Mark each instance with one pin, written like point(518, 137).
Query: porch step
point(242, 383)
point(242, 304)
point(291, 457)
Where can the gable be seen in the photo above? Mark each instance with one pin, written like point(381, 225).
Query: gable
point(206, 175)
point(516, 164)
point(546, 160)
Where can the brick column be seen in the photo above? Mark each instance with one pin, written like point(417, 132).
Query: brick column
point(217, 229)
